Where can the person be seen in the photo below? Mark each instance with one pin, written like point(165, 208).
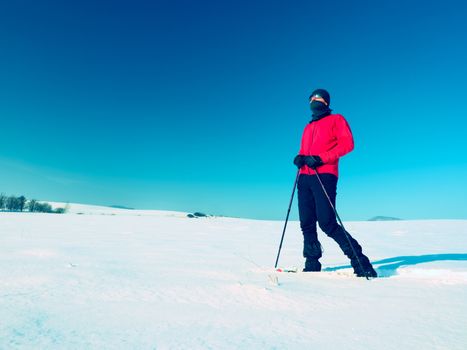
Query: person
point(325, 139)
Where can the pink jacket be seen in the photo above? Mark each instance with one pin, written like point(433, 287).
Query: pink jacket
point(330, 138)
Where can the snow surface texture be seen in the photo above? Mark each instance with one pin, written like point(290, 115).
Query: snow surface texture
point(159, 280)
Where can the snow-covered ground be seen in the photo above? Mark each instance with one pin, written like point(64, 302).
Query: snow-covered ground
point(124, 279)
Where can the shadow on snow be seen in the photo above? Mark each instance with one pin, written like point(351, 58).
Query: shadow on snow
point(388, 267)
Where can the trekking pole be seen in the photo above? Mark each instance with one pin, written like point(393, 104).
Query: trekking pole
point(287, 217)
point(340, 222)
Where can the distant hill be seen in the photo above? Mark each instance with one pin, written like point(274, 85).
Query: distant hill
point(383, 218)
point(121, 207)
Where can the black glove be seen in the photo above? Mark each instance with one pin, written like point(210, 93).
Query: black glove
point(313, 161)
point(299, 161)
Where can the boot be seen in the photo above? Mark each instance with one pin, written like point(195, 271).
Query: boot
point(312, 265)
point(365, 270)
point(312, 252)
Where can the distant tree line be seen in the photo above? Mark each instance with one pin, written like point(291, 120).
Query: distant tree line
point(13, 203)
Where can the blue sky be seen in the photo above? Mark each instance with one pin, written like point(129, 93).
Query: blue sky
point(200, 106)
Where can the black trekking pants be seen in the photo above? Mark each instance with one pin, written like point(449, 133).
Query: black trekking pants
point(313, 207)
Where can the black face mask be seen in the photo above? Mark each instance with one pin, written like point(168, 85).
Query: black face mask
point(319, 110)
point(318, 107)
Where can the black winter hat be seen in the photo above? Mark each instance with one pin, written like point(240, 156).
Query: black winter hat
point(323, 93)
